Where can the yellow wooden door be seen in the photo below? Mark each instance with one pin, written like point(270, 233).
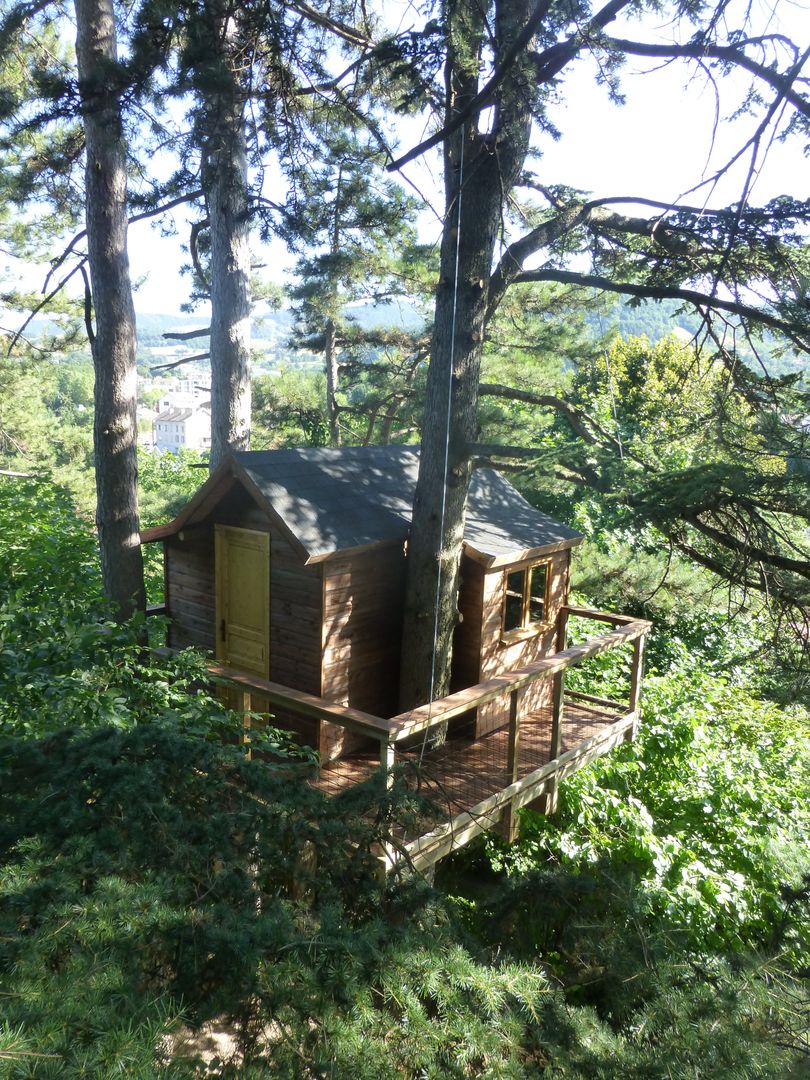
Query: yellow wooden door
point(243, 603)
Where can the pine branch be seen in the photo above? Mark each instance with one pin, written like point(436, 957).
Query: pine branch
point(749, 551)
point(59, 260)
point(577, 419)
point(334, 26)
point(729, 54)
point(667, 292)
point(186, 335)
point(547, 64)
point(42, 304)
point(179, 363)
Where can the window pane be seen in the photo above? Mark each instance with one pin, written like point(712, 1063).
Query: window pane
point(513, 602)
point(516, 581)
point(513, 612)
point(537, 596)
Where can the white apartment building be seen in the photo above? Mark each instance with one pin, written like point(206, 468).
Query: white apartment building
point(183, 426)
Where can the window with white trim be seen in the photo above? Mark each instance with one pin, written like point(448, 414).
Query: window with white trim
point(525, 602)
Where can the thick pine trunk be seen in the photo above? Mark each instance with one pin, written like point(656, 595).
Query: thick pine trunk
point(225, 183)
point(482, 181)
point(331, 361)
point(113, 347)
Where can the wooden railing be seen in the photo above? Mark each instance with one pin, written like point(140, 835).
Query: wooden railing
point(500, 809)
point(390, 732)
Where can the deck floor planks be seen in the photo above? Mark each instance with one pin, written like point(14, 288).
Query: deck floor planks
point(463, 772)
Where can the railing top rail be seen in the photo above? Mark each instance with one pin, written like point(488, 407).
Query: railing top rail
point(416, 720)
point(599, 616)
point(425, 716)
point(306, 704)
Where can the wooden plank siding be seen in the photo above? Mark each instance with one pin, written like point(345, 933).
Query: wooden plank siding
point(295, 602)
point(498, 655)
point(467, 638)
point(190, 591)
point(363, 597)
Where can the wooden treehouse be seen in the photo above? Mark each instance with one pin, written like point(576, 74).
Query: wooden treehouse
point(288, 566)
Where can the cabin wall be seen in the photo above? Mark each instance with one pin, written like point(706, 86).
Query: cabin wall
point(191, 589)
point(363, 601)
point(296, 596)
point(498, 656)
point(467, 638)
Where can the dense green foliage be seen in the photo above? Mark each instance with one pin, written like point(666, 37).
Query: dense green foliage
point(153, 880)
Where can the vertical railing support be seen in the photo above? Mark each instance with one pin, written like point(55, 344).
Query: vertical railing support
point(636, 673)
point(562, 630)
point(557, 705)
point(247, 722)
point(387, 758)
point(509, 820)
point(386, 853)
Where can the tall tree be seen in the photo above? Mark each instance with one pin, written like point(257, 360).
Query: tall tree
point(502, 63)
point(354, 223)
point(113, 340)
point(478, 169)
point(242, 69)
point(216, 49)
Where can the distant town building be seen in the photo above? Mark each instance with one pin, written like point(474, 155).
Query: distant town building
point(183, 426)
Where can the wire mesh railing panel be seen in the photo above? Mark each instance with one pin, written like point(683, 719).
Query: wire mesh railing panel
point(462, 772)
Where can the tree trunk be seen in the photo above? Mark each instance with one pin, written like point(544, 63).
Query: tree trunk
point(113, 344)
point(481, 180)
point(330, 358)
point(330, 343)
point(225, 184)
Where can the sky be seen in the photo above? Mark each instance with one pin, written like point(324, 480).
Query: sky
point(658, 145)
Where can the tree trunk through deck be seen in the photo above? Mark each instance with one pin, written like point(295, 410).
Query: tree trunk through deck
point(482, 180)
point(225, 184)
point(113, 346)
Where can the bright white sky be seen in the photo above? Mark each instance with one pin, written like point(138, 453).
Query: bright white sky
point(659, 145)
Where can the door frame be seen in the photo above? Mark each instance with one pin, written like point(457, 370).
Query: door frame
point(261, 540)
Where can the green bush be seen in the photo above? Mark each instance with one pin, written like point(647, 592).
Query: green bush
point(152, 878)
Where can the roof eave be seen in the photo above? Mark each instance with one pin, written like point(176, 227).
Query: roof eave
point(499, 562)
point(211, 492)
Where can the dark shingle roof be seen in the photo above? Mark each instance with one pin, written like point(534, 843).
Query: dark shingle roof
point(173, 415)
point(336, 499)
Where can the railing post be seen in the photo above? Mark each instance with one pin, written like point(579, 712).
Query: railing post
point(636, 672)
point(557, 706)
point(562, 629)
point(386, 855)
point(247, 705)
point(387, 758)
point(509, 821)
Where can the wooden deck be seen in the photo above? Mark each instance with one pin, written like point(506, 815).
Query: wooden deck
point(475, 784)
point(464, 771)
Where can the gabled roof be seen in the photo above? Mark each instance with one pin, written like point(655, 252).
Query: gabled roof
point(173, 415)
point(331, 500)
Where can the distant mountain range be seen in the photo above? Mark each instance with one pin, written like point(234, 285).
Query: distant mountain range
point(655, 320)
point(276, 326)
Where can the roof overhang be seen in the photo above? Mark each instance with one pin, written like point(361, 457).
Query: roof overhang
point(225, 477)
point(512, 558)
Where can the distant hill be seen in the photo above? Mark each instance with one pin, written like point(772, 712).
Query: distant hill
point(654, 320)
point(658, 319)
point(273, 326)
point(276, 326)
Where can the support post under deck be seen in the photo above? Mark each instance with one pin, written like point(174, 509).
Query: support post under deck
point(636, 672)
point(509, 820)
point(557, 700)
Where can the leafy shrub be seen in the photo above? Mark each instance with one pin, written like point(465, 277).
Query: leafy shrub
point(708, 811)
point(148, 876)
